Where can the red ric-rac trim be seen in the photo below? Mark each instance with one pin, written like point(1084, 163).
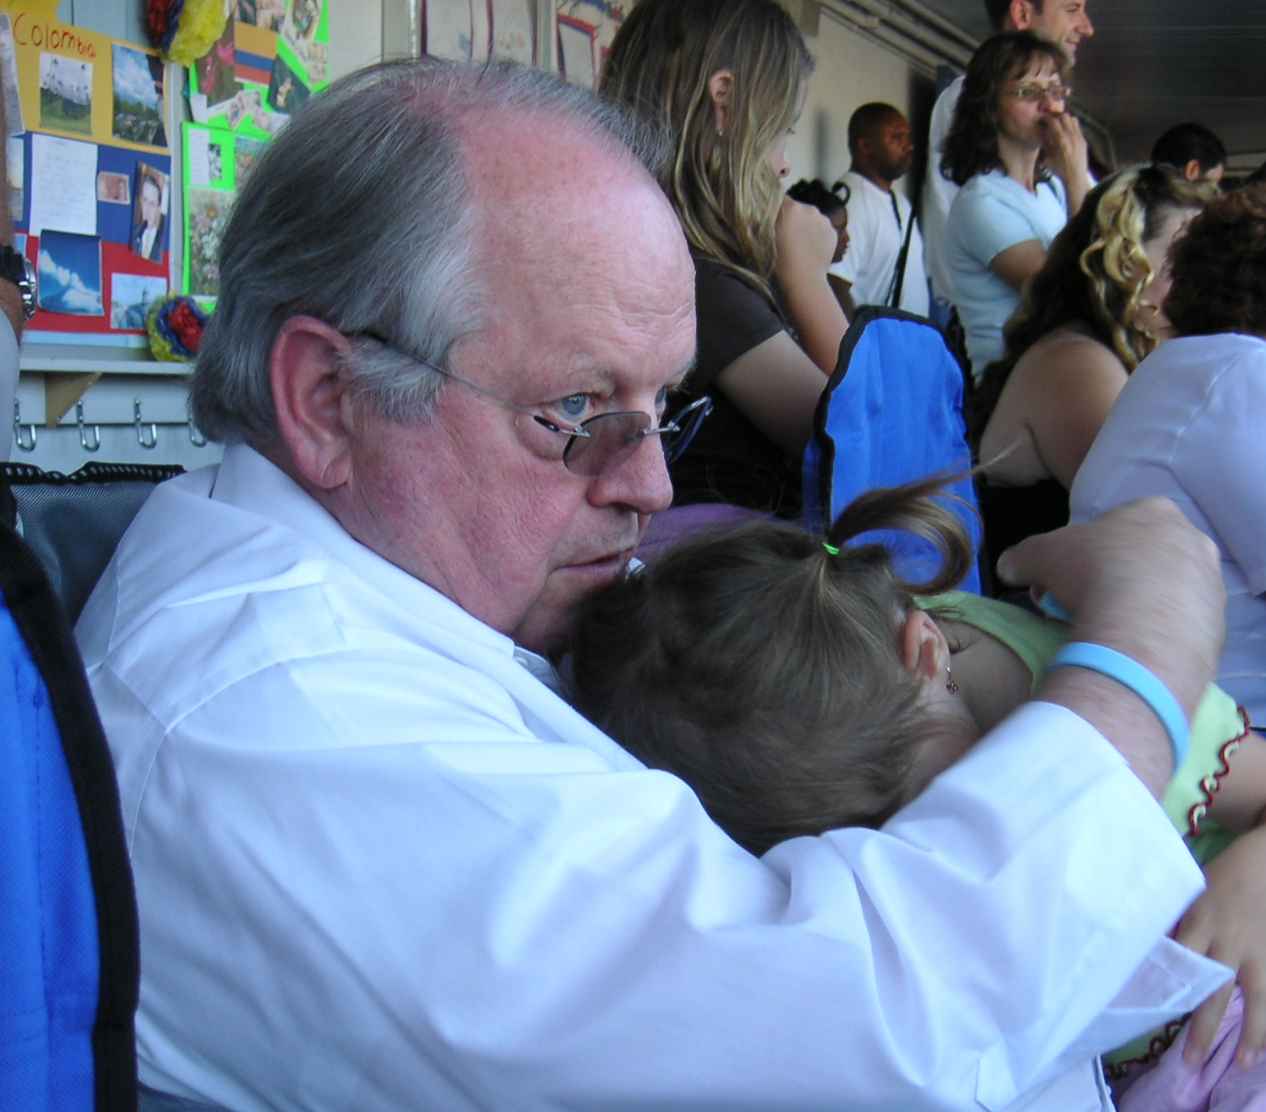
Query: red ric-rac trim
point(1212, 784)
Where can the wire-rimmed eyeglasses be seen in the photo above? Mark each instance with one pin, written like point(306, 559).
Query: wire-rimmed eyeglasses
point(1034, 91)
point(598, 443)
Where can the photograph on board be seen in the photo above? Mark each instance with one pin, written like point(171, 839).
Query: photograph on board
point(149, 213)
point(65, 94)
point(246, 153)
point(287, 92)
point(208, 213)
point(114, 188)
point(131, 296)
point(70, 274)
point(268, 14)
point(216, 69)
point(138, 97)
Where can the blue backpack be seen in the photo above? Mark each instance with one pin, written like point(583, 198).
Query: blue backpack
point(68, 929)
point(891, 413)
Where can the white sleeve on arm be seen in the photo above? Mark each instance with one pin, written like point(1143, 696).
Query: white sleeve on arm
point(479, 918)
point(1220, 460)
point(938, 191)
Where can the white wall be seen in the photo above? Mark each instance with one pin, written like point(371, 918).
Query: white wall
point(852, 70)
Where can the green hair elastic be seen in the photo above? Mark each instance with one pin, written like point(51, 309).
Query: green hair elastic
point(831, 550)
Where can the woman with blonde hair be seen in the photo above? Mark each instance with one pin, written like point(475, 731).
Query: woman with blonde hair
point(727, 78)
point(1087, 319)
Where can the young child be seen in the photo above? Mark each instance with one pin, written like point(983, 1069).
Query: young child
point(798, 686)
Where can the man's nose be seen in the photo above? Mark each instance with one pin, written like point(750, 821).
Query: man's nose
point(639, 481)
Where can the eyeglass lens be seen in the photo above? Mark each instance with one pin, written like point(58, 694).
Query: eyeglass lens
point(614, 436)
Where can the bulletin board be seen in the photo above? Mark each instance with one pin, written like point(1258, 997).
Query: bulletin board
point(273, 55)
point(89, 164)
point(584, 30)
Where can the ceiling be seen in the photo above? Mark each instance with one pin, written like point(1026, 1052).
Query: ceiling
point(1154, 63)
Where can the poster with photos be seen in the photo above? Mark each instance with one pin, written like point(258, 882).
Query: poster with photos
point(217, 163)
point(273, 55)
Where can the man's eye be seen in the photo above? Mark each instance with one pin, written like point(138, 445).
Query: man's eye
point(573, 407)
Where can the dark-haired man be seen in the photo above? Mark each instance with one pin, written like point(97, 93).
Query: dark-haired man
point(884, 265)
point(1192, 149)
point(1065, 22)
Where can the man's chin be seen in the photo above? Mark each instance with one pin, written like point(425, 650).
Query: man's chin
point(547, 626)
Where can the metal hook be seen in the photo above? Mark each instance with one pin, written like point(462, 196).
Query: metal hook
point(197, 439)
point(90, 444)
point(26, 443)
point(150, 441)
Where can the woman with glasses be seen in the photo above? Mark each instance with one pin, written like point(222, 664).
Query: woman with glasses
point(1086, 320)
point(1020, 159)
point(727, 78)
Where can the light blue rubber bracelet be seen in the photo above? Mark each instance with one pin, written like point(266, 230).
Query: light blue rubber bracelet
point(1144, 684)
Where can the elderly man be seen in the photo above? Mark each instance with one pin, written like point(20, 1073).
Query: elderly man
point(381, 864)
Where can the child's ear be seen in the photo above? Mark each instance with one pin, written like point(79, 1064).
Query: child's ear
point(924, 650)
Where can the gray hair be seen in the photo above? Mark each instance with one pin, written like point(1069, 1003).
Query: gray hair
point(359, 215)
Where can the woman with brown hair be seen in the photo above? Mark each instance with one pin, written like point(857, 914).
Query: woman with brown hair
point(727, 78)
point(1021, 161)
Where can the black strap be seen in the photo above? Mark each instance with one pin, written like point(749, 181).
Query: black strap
point(899, 275)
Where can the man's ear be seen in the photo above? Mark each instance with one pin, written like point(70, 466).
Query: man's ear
point(1021, 14)
point(721, 90)
point(310, 394)
point(1192, 170)
point(924, 650)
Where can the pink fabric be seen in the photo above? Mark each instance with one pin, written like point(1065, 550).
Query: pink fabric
point(1216, 1085)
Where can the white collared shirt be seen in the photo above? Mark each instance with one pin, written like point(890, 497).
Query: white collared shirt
point(380, 865)
point(878, 220)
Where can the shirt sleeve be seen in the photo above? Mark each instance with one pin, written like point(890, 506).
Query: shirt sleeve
point(989, 224)
point(1220, 459)
point(733, 317)
point(493, 920)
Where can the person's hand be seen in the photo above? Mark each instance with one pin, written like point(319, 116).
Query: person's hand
point(1140, 579)
point(804, 242)
point(1227, 923)
point(1065, 148)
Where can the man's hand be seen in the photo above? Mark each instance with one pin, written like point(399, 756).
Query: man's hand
point(1228, 923)
point(1144, 581)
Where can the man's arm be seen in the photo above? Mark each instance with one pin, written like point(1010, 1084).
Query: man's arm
point(10, 298)
point(1165, 612)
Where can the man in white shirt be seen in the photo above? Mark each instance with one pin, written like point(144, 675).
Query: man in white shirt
point(1065, 22)
point(882, 229)
point(381, 864)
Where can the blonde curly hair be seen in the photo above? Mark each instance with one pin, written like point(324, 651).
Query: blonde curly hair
point(1095, 273)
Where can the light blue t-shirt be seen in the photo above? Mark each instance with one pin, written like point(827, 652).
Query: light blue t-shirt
point(991, 213)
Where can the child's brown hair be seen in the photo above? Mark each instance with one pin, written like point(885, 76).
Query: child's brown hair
point(765, 671)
